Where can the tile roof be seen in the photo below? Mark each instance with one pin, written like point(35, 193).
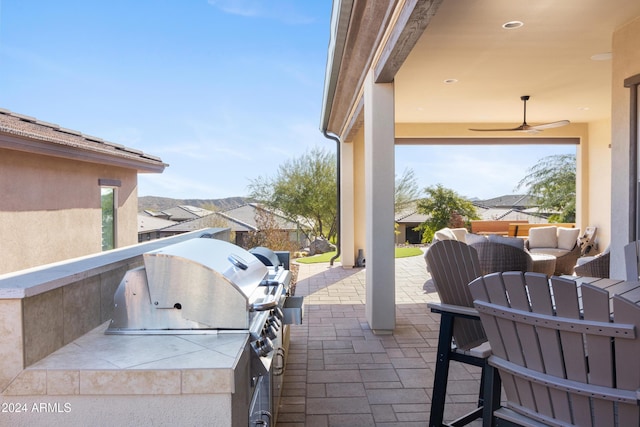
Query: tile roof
point(148, 223)
point(186, 212)
point(246, 214)
point(26, 133)
point(508, 200)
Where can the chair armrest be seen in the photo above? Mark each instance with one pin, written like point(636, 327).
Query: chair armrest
point(456, 310)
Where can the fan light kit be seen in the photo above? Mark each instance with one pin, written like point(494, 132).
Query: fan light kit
point(512, 25)
point(525, 127)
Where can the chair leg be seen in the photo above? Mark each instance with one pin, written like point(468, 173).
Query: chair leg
point(491, 391)
point(442, 371)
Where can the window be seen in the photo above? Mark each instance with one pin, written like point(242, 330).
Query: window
point(107, 198)
point(109, 206)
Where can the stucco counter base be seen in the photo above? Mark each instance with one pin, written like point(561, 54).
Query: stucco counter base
point(103, 379)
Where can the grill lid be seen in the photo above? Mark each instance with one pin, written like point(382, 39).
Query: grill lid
point(201, 266)
point(196, 284)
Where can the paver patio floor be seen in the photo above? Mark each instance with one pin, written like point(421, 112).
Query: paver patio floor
point(341, 374)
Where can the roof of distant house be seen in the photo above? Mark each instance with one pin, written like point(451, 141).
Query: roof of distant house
point(507, 201)
point(193, 224)
point(410, 215)
point(246, 215)
point(26, 133)
point(185, 212)
point(507, 214)
point(148, 223)
point(498, 208)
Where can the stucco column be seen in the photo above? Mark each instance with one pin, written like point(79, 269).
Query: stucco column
point(379, 194)
point(347, 214)
point(625, 64)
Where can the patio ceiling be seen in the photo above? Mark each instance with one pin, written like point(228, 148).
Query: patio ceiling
point(548, 58)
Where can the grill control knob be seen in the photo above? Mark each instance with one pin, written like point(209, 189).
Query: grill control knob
point(275, 322)
point(262, 346)
point(277, 312)
point(265, 346)
point(271, 332)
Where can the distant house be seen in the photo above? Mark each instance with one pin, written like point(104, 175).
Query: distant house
point(64, 194)
point(185, 213)
point(504, 208)
point(407, 221)
point(150, 226)
point(242, 220)
point(179, 227)
point(511, 207)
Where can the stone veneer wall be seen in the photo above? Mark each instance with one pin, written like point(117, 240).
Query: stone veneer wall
point(45, 308)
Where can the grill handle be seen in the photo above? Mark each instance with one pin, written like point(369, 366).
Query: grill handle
point(272, 303)
point(237, 262)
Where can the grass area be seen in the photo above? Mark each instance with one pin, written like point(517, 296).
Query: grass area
point(400, 253)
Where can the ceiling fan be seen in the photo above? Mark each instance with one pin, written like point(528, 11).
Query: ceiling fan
point(525, 127)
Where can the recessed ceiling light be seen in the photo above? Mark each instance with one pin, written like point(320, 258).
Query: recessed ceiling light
point(450, 81)
point(512, 25)
point(605, 56)
point(583, 108)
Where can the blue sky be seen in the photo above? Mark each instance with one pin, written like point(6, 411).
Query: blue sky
point(222, 90)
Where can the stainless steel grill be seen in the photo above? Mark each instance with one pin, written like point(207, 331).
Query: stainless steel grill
point(208, 286)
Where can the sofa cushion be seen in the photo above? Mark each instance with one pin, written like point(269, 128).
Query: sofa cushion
point(511, 241)
point(444, 234)
point(567, 237)
point(472, 239)
point(543, 237)
point(550, 251)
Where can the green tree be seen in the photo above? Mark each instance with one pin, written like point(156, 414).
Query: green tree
point(406, 190)
point(552, 182)
point(445, 208)
point(303, 187)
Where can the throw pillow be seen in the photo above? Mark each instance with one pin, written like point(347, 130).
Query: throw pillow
point(567, 237)
point(543, 237)
point(444, 234)
point(460, 233)
point(511, 241)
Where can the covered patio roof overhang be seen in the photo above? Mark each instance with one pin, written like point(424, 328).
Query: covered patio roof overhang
point(425, 71)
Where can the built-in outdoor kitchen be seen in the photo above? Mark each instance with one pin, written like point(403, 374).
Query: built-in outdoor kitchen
point(198, 335)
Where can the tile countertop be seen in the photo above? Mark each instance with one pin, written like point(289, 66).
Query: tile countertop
point(99, 364)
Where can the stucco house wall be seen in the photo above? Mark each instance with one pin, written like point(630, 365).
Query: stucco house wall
point(50, 203)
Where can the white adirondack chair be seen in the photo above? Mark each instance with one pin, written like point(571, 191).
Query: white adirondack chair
point(567, 355)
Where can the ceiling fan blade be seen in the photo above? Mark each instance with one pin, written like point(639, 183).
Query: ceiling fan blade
point(525, 127)
point(550, 125)
point(521, 127)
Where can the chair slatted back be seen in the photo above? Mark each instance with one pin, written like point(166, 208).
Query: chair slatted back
point(453, 265)
point(562, 357)
point(632, 260)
